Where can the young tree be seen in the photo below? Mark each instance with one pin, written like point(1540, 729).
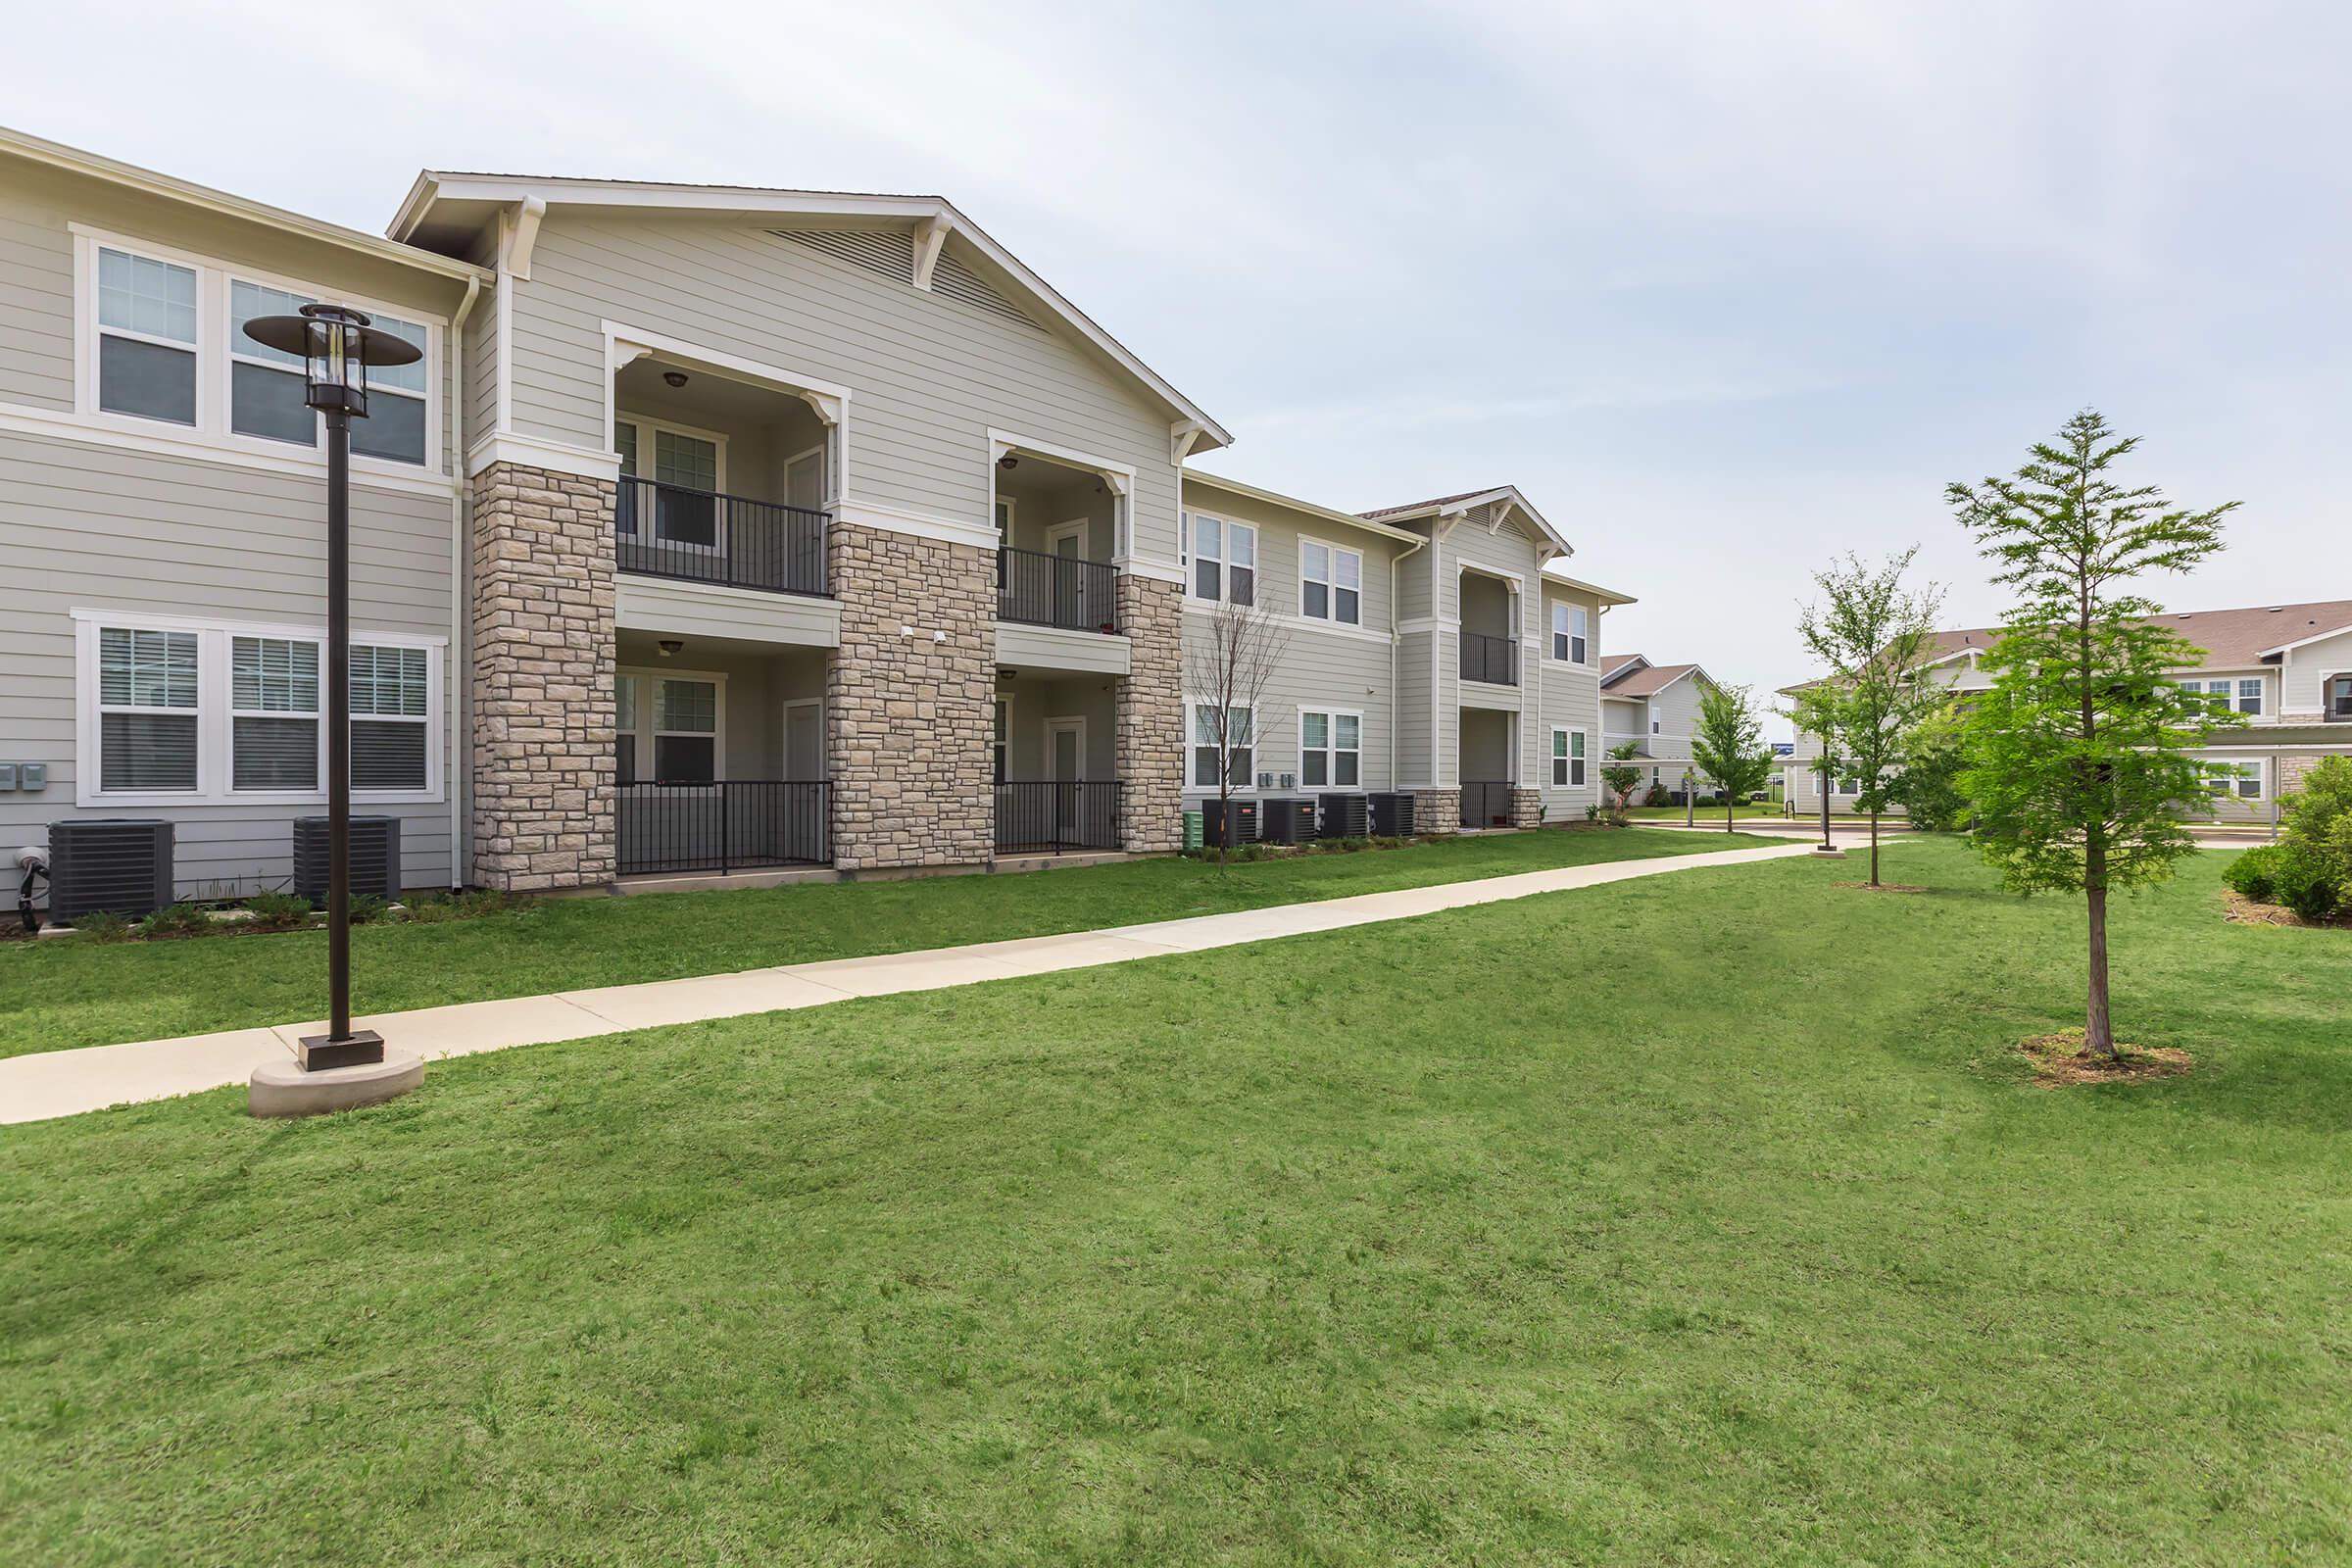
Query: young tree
point(2079, 765)
point(1728, 744)
point(1227, 670)
point(1876, 636)
point(1623, 777)
point(1933, 755)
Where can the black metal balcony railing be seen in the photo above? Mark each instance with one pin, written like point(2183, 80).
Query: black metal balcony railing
point(720, 827)
point(1036, 589)
point(1057, 817)
point(1493, 660)
point(666, 530)
point(1486, 803)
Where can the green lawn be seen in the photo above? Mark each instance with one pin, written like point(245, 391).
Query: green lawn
point(71, 991)
point(1703, 1219)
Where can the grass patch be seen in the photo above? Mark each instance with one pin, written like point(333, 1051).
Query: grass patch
point(77, 991)
point(1705, 1219)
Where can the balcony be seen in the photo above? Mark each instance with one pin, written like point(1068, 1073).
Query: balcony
point(700, 536)
point(1492, 659)
point(1486, 804)
point(1056, 816)
point(1036, 589)
point(728, 825)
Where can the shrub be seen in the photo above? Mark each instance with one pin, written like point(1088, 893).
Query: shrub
point(2255, 873)
point(277, 912)
point(2317, 820)
point(176, 920)
point(1658, 795)
point(367, 909)
point(102, 925)
point(1592, 813)
point(434, 910)
point(2307, 885)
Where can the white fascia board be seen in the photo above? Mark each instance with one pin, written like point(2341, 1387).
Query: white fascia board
point(56, 154)
point(751, 201)
point(1607, 596)
point(1251, 492)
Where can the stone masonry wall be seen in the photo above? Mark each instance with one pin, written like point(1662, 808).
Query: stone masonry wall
point(1149, 754)
point(542, 679)
point(1527, 808)
point(910, 710)
point(1437, 811)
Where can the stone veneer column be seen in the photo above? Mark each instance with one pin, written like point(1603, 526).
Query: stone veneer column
point(542, 679)
point(1150, 755)
point(909, 713)
point(1526, 807)
point(1437, 810)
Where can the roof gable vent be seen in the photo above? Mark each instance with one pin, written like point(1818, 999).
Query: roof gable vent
point(887, 252)
point(957, 281)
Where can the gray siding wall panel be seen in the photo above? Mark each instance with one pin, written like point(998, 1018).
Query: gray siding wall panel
point(929, 375)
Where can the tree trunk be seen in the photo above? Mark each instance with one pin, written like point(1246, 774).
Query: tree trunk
point(1874, 848)
point(2099, 1031)
point(1729, 811)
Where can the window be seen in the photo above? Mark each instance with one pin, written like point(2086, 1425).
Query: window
point(2339, 696)
point(2245, 695)
point(1331, 583)
point(685, 731)
point(1224, 560)
point(165, 343)
point(1567, 758)
point(2225, 779)
point(149, 710)
point(1656, 726)
point(146, 337)
point(390, 735)
point(1004, 519)
point(1849, 786)
point(691, 467)
point(1331, 750)
point(2249, 696)
point(177, 712)
point(996, 743)
point(1241, 730)
point(273, 713)
point(1569, 627)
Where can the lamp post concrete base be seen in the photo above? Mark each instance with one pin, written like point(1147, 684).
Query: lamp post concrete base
point(1828, 852)
point(283, 1089)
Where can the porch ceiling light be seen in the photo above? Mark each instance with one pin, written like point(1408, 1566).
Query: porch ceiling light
point(674, 378)
point(1008, 463)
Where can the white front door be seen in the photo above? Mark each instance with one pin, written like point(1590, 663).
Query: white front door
point(1065, 741)
point(1067, 542)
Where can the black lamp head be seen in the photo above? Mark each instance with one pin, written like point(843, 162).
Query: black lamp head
point(337, 345)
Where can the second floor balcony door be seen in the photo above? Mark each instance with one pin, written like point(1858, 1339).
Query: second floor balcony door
point(683, 497)
point(1072, 592)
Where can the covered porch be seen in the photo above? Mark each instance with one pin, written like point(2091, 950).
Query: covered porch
point(1488, 749)
point(1054, 756)
point(719, 756)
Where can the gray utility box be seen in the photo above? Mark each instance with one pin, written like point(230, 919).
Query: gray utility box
point(121, 865)
point(374, 858)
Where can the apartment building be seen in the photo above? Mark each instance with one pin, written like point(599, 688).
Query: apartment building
point(1655, 707)
point(2285, 669)
point(716, 529)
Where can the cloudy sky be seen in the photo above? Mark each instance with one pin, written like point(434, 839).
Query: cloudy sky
point(1725, 288)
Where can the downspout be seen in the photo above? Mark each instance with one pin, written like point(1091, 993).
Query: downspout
point(1396, 645)
point(461, 672)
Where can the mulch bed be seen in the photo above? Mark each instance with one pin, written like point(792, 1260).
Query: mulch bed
point(2245, 911)
point(2061, 1059)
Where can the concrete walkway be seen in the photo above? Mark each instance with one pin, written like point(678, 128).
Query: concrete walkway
point(65, 1083)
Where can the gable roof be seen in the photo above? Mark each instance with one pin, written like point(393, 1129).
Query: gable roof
point(445, 205)
point(1469, 500)
point(1190, 477)
point(1646, 681)
point(2233, 639)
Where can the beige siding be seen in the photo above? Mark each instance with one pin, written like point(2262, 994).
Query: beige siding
point(929, 375)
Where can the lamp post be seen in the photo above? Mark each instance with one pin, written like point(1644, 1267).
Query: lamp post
point(337, 345)
point(1690, 798)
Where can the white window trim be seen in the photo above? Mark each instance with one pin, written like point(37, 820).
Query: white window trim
point(1224, 559)
point(1330, 584)
point(1332, 749)
point(646, 424)
point(215, 727)
point(2327, 678)
point(648, 733)
point(1076, 725)
point(2258, 769)
point(316, 714)
point(213, 350)
point(1581, 738)
point(1247, 783)
point(1551, 633)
